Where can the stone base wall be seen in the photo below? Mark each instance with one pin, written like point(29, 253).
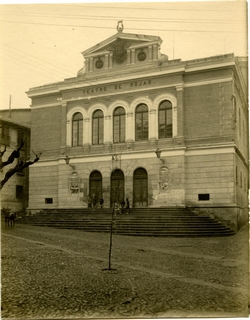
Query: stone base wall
point(233, 217)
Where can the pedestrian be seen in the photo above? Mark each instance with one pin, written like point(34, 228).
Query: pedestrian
point(94, 203)
point(89, 202)
point(127, 206)
point(101, 202)
point(122, 206)
point(117, 208)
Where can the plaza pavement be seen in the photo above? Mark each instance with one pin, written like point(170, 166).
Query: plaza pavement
point(50, 273)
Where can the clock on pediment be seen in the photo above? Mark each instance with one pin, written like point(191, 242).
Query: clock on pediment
point(99, 63)
point(119, 51)
point(141, 56)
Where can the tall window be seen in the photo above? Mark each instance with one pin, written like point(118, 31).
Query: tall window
point(119, 125)
point(165, 119)
point(77, 127)
point(141, 122)
point(97, 127)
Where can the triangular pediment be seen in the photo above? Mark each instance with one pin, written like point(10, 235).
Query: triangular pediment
point(127, 40)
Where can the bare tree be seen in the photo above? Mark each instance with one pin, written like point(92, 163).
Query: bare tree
point(20, 165)
point(14, 155)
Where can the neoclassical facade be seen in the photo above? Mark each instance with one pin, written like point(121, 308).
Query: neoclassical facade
point(134, 124)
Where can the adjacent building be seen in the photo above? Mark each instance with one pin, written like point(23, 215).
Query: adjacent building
point(15, 126)
point(134, 124)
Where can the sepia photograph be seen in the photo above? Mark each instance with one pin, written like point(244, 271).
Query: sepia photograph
point(124, 154)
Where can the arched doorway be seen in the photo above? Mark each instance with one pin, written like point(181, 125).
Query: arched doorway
point(95, 185)
point(117, 186)
point(140, 188)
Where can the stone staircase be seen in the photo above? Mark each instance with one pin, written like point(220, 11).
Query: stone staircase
point(175, 222)
point(164, 222)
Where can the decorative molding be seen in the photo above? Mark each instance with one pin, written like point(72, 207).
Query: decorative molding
point(207, 82)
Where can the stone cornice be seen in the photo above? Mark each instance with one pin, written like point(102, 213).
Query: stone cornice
point(167, 68)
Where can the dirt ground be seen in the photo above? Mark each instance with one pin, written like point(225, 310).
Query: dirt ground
point(50, 273)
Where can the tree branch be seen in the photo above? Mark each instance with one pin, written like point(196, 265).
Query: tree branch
point(14, 155)
point(18, 168)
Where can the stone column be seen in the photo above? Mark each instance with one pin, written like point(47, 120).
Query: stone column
point(86, 131)
point(107, 130)
point(106, 62)
point(130, 127)
point(87, 64)
point(64, 127)
point(133, 56)
point(128, 57)
point(110, 60)
point(150, 57)
point(155, 53)
point(179, 112)
point(91, 64)
point(152, 134)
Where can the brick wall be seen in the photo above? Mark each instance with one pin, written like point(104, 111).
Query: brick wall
point(46, 131)
point(208, 111)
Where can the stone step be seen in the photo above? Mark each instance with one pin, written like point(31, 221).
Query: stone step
point(148, 221)
point(165, 232)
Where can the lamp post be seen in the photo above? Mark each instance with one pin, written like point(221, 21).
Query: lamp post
point(158, 155)
point(67, 159)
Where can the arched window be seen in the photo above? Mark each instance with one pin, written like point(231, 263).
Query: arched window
point(77, 129)
point(165, 119)
point(97, 127)
point(119, 125)
point(141, 122)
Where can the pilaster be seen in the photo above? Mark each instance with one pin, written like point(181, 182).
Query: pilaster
point(63, 124)
point(91, 64)
point(152, 127)
point(110, 60)
point(130, 127)
point(133, 56)
point(86, 131)
point(150, 53)
point(179, 112)
point(107, 130)
point(106, 61)
point(128, 57)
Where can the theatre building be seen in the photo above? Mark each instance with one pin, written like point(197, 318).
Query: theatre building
point(134, 124)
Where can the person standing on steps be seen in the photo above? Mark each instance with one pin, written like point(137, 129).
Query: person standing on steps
point(127, 206)
point(122, 203)
point(101, 202)
point(117, 208)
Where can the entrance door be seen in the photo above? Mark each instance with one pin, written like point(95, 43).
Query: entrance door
point(95, 186)
point(117, 187)
point(140, 188)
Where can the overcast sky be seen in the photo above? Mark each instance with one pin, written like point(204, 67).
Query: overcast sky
point(42, 43)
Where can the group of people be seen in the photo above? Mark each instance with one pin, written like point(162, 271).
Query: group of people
point(94, 201)
point(120, 207)
point(123, 206)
